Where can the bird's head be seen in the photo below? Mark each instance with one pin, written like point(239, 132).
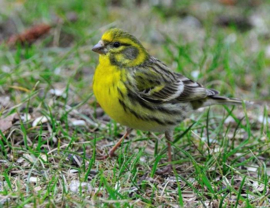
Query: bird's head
point(121, 48)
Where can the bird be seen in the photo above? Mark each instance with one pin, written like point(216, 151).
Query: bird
point(141, 92)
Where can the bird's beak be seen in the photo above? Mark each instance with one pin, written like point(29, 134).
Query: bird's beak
point(99, 48)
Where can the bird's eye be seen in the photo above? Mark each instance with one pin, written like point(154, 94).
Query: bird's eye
point(116, 44)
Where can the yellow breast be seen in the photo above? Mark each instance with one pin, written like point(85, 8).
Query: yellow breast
point(106, 85)
point(106, 81)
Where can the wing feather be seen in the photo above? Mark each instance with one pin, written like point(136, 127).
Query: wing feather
point(159, 83)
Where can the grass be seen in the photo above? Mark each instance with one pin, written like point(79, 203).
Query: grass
point(221, 154)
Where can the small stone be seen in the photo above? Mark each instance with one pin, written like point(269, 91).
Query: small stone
point(75, 186)
point(78, 123)
point(39, 120)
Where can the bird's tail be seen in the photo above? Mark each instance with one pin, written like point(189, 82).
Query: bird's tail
point(214, 98)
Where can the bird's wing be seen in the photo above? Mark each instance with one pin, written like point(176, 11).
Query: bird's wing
point(156, 83)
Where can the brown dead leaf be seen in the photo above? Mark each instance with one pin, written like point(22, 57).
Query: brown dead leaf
point(7, 123)
point(228, 2)
point(252, 3)
point(30, 35)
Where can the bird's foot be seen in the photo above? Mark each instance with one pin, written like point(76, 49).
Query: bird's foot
point(164, 171)
point(111, 152)
point(104, 157)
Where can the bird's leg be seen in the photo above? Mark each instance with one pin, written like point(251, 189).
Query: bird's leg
point(111, 152)
point(168, 168)
point(169, 137)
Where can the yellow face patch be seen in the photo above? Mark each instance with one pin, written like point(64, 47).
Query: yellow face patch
point(111, 34)
point(108, 36)
point(129, 53)
point(118, 35)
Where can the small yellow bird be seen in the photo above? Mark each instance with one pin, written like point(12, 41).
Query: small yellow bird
point(140, 92)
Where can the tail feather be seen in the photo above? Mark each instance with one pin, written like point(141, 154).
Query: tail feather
point(214, 98)
point(211, 92)
point(220, 100)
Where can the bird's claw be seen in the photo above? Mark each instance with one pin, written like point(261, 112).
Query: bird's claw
point(104, 157)
point(164, 171)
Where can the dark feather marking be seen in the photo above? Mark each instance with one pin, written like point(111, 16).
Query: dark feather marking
point(170, 112)
point(165, 69)
point(170, 123)
point(133, 97)
point(157, 120)
point(145, 118)
point(130, 53)
point(151, 81)
point(179, 121)
point(140, 77)
point(120, 92)
point(123, 105)
point(151, 66)
point(113, 60)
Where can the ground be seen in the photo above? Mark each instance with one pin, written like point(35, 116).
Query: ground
point(52, 130)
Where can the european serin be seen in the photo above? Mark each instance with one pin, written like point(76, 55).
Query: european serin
point(141, 92)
